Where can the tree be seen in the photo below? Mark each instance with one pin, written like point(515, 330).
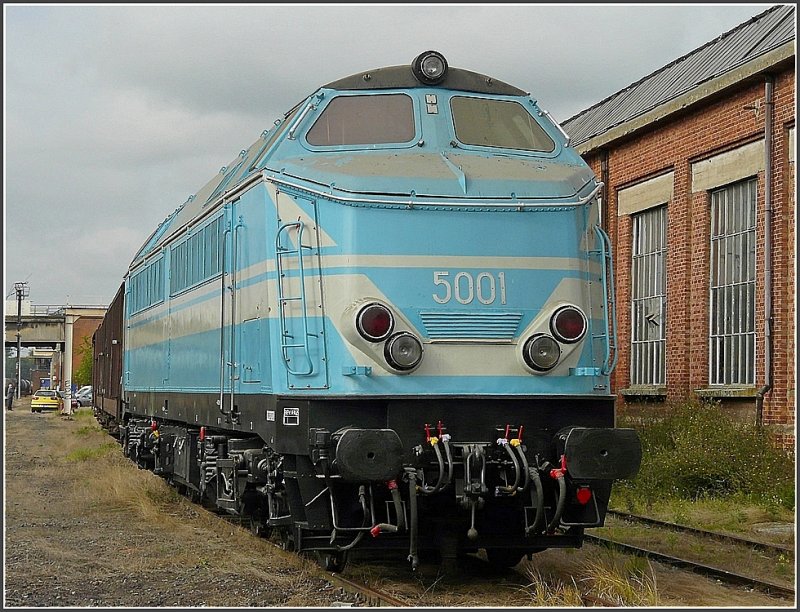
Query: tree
point(83, 373)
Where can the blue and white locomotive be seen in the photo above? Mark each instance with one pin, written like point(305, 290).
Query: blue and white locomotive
point(386, 325)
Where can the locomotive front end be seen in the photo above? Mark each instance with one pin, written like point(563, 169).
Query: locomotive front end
point(388, 324)
point(461, 397)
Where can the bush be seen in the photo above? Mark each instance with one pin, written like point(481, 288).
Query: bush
point(698, 451)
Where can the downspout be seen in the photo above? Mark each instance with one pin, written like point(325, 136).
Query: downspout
point(769, 105)
point(604, 194)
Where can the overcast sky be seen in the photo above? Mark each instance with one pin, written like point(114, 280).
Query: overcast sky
point(114, 115)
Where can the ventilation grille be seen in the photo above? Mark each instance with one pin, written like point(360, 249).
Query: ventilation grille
point(473, 325)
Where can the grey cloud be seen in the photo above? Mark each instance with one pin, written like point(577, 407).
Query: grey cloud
point(116, 114)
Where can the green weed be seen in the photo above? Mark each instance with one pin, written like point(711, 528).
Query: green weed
point(87, 430)
point(697, 451)
point(87, 454)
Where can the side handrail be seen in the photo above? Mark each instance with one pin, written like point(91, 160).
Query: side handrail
point(281, 251)
point(232, 363)
point(222, 360)
point(607, 265)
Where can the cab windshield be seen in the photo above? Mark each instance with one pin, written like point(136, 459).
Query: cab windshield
point(498, 123)
point(364, 120)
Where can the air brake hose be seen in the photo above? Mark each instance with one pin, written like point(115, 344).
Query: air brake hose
point(525, 470)
point(562, 496)
point(412, 499)
point(513, 488)
point(448, 454)
point(440, 480)
point(401, 519)
point(398, 508)
point(355, 541)
point(362, 498)
point(537, 501)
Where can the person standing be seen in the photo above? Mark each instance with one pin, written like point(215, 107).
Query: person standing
point(10, 396)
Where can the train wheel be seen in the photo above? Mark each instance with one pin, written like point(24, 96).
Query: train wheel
point(331, 561)
point(258, 528)
point(287, 539)
point(503, 557)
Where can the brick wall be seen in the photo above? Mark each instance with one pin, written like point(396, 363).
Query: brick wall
point(82, 328)
point(674, 145)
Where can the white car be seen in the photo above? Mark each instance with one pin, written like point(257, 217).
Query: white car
point(84, 396)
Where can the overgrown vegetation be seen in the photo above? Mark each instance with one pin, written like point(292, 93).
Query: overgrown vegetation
point(91, 452)
point(696, 451)
point(624, 580)
point(621, 579)
point(83, 373)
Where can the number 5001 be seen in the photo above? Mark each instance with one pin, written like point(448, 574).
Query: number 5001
point(484, 286)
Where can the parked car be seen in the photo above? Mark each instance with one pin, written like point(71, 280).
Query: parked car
point(46, 399)
point(84, 396)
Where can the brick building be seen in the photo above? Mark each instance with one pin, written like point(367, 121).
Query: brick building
point(698, 165)
point(82, 330)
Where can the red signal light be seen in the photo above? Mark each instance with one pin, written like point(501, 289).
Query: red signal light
point(584, 494)
point(568, 324)
point(374, 322)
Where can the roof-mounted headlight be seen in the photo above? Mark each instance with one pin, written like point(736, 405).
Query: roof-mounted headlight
point(429, 68)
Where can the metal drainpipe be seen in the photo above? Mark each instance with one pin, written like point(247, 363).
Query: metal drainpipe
point(769, 105)
point(604, 177)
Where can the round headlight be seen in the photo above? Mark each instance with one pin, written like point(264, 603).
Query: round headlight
point(541, 352)
point(374, 322)
point(429, 68)
point(568, 324)
point(403, 351)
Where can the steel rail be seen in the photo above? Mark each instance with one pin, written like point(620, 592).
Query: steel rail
point(764, 546)
point(697, 568)
point(372, 597)
point(593, 600)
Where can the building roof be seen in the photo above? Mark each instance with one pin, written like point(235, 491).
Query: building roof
point(760, 35)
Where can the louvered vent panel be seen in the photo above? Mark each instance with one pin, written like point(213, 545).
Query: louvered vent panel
point(473, 325)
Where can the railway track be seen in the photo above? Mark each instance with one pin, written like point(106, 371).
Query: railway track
point(369, 596)
point(709, 571)
point(377, 598)
point(723, 537)
point(362, 594)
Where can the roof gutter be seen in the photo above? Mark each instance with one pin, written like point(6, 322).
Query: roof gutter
point(698, 94)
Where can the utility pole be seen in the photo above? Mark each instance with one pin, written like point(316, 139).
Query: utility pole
point(23, 291)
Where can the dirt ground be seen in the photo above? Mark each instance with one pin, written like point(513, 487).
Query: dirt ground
point(65, 547)
point(85, 528)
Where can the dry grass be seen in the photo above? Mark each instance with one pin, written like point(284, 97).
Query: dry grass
point(737, 516)
point(623, 580)
point(106, 481)
point(545, 590)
